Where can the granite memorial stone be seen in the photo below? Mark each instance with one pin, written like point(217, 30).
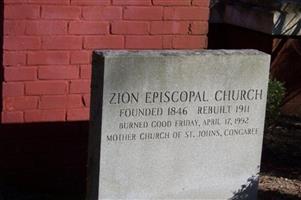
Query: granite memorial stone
point(177, 124)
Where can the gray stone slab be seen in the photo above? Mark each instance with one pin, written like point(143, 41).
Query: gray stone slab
point(177, 124)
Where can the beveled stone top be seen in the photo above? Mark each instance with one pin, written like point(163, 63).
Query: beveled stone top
point(113, 53)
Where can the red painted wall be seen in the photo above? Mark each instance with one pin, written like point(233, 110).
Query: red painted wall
point(48, 43)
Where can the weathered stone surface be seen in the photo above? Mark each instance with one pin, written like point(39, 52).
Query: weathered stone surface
point(177, 124)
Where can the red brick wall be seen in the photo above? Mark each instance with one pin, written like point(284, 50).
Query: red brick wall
point(48, 44)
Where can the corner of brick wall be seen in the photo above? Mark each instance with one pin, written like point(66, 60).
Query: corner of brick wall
point(48, 44)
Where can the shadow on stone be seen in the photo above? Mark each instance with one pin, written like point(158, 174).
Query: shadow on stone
point(247, 191)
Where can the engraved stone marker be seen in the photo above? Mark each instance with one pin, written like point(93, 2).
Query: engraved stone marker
point(176, 124)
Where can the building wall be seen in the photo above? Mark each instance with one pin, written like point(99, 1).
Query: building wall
point(286, 68)
point(47, 48)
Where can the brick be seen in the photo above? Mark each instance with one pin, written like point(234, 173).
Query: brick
point(102, 13)
point(53, 2)
point(20, 103)
point(14, 27)
point(12, 89)
point(172, 2)
point(186, 13)
point(190, 42)
point(53, 102)
point(87, 99)
point(203, 3)
point(58, 72)
point(88, 27)
point(169, 27)
point(130, 27)
point(20, 73)
point(21, 43)
point(167, 41)
point(21, 12)
point(80, 57)
point(85, 72)
point(132, 2)
point(80, 86)
point(45, 115)
point(61, 101)
point(143, 13)
point(143, 42)
point(13, 1)
point(12, 117)
point(90, 2)
point(14, 58)
point(48, 57)
point(199, 28)
point(46, 27)
point(104, 42)
point(78, 114)
point(75, 101)
point(61, 12)
point(62, 42)
point(45, 87)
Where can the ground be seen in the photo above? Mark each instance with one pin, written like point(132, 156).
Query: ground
point(280, 177)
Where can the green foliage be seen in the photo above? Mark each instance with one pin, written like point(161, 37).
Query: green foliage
point(276, 93)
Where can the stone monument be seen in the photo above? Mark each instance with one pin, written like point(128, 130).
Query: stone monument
point(176, 124)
